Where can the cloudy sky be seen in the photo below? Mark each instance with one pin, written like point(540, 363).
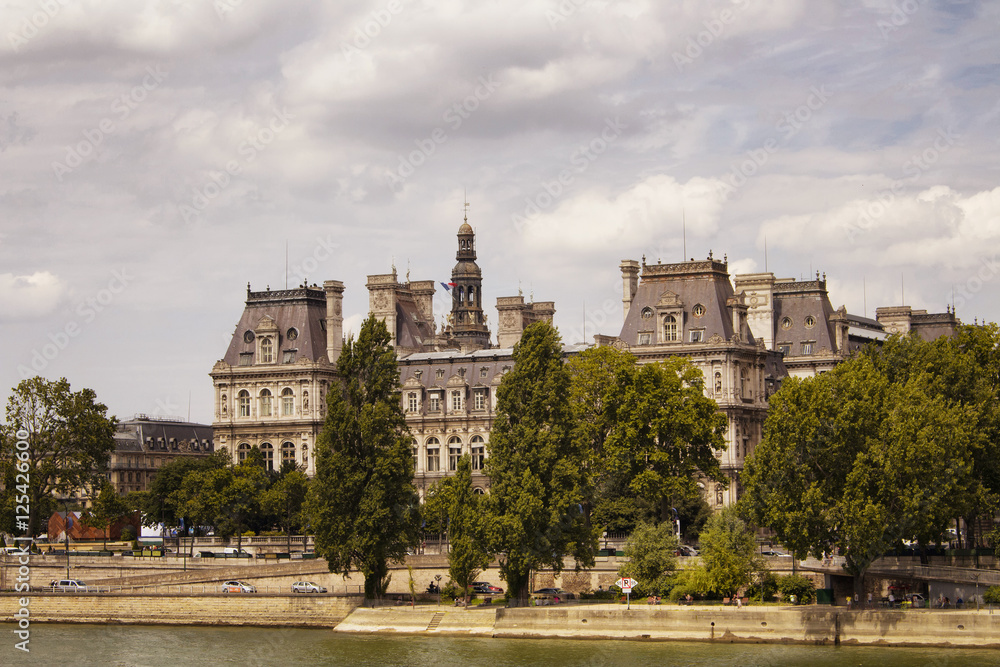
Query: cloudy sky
point(155, 156)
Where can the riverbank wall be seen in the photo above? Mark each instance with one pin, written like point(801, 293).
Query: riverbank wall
point(782, 625)
point(317, 611)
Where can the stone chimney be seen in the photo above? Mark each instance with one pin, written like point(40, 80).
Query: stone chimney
point(334, 318)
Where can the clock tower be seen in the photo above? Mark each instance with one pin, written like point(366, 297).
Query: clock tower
point(468, 323)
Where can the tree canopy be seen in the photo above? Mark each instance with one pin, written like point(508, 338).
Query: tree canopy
point(362, 501)
point(535, 513)
point(70, 440)
point(649, 433)
point(651, 552)
point(864, 456)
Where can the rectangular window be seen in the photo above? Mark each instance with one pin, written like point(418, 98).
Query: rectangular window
point(456, 399)
point(288, 357)
point(645, 338)
point(246, 358)
point(785, 349)
point(434, 402)
point(478, 457)
point(411, 401)
point(807, 348)
point(454, 454)
point(265, 406)
point(480, 398)
point(433, 459)
point(484, 371)
point(416, 457)
point(697, 336)
point(287, 405)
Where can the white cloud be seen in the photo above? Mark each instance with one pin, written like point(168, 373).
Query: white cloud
point(29, 296)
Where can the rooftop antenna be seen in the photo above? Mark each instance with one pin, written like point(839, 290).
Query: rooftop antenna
point(765, 253)
point(684, 231)
point(864, 293)
point(902, 291)
point(465, 198)
point(189, 406)
point(585, 322)
point(286, 263)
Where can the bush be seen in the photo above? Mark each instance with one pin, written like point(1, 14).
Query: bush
point(795, 584)
point(684, 584)
point(250, 533)
point(128, 534)
point(764, 588)
point(992, 595)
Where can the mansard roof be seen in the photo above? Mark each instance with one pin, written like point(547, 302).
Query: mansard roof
point(794, 303)
point(302, 309)
point(683, 286)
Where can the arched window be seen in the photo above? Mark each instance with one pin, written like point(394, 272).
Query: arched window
point(242, 452)
point(268, 451)
point(478, 452)
point(744, 383)
point(433, 455)
point(669, 328)
point(244, 399)
point(287, 402)
point(266, 350)
point(265, 402)
point(478, 491)
point(287, 452)
point(472, 295)
point(454, 452)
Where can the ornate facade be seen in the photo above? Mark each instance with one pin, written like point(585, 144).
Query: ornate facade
point(270, 388)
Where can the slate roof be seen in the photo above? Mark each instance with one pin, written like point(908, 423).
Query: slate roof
point(795, 302)
point(303, 309)
point(703, 282)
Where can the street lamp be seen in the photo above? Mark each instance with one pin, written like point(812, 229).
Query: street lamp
point(437, 579)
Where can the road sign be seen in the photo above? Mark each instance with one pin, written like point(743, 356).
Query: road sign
point(626, 584)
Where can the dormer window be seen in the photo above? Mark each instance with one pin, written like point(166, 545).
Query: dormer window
point(439, 373)
point(810, 322)
point(288, 357)
point(698, 310)
point(670, 328)
point(697, 336)
point(647, 313)
point(246, 358)
point(266, 350)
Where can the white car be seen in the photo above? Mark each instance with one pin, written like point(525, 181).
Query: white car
point(307, 587)
point(69, 586)
point(238, 587)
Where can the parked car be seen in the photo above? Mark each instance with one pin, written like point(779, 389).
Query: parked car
point(550, 596)
point(238, 587)
point(484, 587)
point(69, 586)
point(686, 550)
point(775, 554)
point(307, 587)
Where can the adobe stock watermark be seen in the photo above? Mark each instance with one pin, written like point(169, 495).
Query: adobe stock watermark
point(22, 509)
point(965, 292)
point(715, 27)
point(322, 251)
point(122, 107)
point(87, 311)
point(248, 150)
point(223, 7)
point(579, 162)
point(372, 27)
point(563, 11)
point(455, 115)
point(900, 16)
point(913, 168)
point(789, 125)
point(30, 25)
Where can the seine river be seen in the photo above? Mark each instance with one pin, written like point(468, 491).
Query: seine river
point(157, 646)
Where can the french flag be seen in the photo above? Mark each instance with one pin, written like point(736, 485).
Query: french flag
point(447, 286)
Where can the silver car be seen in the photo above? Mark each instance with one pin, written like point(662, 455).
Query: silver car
point(307, 587)
point(238, 587)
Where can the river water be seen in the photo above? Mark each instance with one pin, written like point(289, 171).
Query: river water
point(158, 646)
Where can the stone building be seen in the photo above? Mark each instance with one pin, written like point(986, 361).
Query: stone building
point(690, 309)
point(929, 326)
point(145, 444)
point(270, 388)
point(797, 319)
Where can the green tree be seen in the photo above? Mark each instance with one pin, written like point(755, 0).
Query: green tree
point(651, 551)
point(164, 501)
point(467, 554)
point(729, 559)
point(285, 501)
point(801, 587)
point(538, 486)
point(667, 435)
point(856, 460)
point(108, 508)
point(70, 440)
point(362, 501)
point(239, 500)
